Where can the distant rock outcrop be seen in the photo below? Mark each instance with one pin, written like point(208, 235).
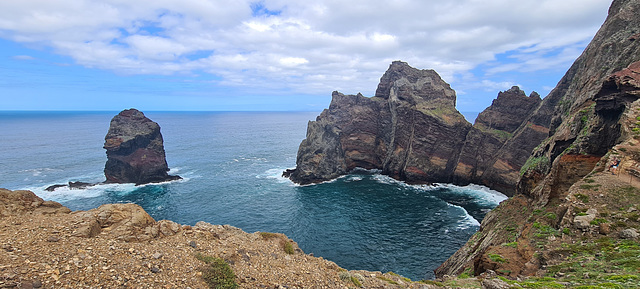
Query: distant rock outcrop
point(411, 131)
point(135, 150)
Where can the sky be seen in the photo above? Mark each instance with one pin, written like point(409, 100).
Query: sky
point(278, 55)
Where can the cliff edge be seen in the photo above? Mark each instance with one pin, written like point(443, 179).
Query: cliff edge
point(410, 130)
point(574, 215)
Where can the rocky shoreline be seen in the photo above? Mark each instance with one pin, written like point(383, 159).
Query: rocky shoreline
point(45, 245)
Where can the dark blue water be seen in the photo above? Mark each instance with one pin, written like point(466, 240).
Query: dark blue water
point(232, 164)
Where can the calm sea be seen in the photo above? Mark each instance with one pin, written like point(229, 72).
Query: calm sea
point(231, 164)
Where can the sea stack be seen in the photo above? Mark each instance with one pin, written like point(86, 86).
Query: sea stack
point(135, 150)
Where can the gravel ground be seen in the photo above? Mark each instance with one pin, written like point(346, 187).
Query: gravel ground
point(45, 245)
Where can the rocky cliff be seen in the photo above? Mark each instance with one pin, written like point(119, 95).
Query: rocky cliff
point(135, 150)
point(411, 131)
point(568, 204)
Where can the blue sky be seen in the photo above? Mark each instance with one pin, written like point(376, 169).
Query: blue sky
point(279, 55)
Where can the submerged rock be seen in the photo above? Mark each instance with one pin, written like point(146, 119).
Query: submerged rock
point(135, 150)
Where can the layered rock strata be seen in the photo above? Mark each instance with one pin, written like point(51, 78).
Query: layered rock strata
point(593, 118)
point(411, 131)
point(135, 150)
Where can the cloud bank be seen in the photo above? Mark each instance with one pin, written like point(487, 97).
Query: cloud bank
point(307, 47)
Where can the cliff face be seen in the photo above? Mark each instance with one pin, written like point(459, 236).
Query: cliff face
point(411, 131)
point(135, 150)
point(566, 194)
point(484, 158)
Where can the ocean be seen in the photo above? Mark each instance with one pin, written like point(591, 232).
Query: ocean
point(232, 163)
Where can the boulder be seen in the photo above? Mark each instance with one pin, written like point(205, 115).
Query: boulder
point(135, 150)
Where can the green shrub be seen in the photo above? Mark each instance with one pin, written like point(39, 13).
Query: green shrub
point(217, 274)
point(496, 258)
point(288, 247)
point(534, 163)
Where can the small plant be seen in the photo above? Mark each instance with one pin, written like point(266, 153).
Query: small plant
point(267, 235)
point(582, 198)
point(496, 258)
point(566, 231)
point(288, 247)
point(387, 280)
point(432, 282)
point(598, 221)
point(551, 216)
point(511, 244)
point(217, 274)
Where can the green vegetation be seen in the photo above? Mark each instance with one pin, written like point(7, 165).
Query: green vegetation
point(511, 244)
point(217, 274)
point(288, 247)
point(598, 221)
point(496, 258)
point(435, 283)
point(544, 231)
point(387, 280)
point(582, 197)
point(536, 163)
point(590, 187)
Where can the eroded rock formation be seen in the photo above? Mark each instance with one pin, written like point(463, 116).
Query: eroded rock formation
point(593, 117)
point(411, 131)
point(135, 150)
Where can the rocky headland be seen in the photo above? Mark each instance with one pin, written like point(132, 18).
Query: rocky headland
point(411, 131)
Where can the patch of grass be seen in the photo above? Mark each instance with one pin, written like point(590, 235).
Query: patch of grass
point(431, 282)
point(551, 216)
point(267, 235)
point(566, 231)
point(598, 221)
point(534, 163)
point(544, 231)
point(512, 244)
point(387, 280)
point(583, 198)
point(288, 247)
point(496, 258)
point(355, 281)
point(217, 274)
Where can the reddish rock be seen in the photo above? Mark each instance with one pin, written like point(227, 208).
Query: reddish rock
point(135, 150)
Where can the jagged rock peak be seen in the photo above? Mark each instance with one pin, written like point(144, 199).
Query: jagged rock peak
point(509, 109)
point(135, 150)
point(404, 82)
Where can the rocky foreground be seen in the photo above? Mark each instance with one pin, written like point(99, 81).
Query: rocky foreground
point(45, 245)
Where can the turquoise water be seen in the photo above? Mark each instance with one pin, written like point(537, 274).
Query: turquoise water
point(231, 164)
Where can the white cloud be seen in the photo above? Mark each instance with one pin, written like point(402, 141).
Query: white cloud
point(310, 47)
